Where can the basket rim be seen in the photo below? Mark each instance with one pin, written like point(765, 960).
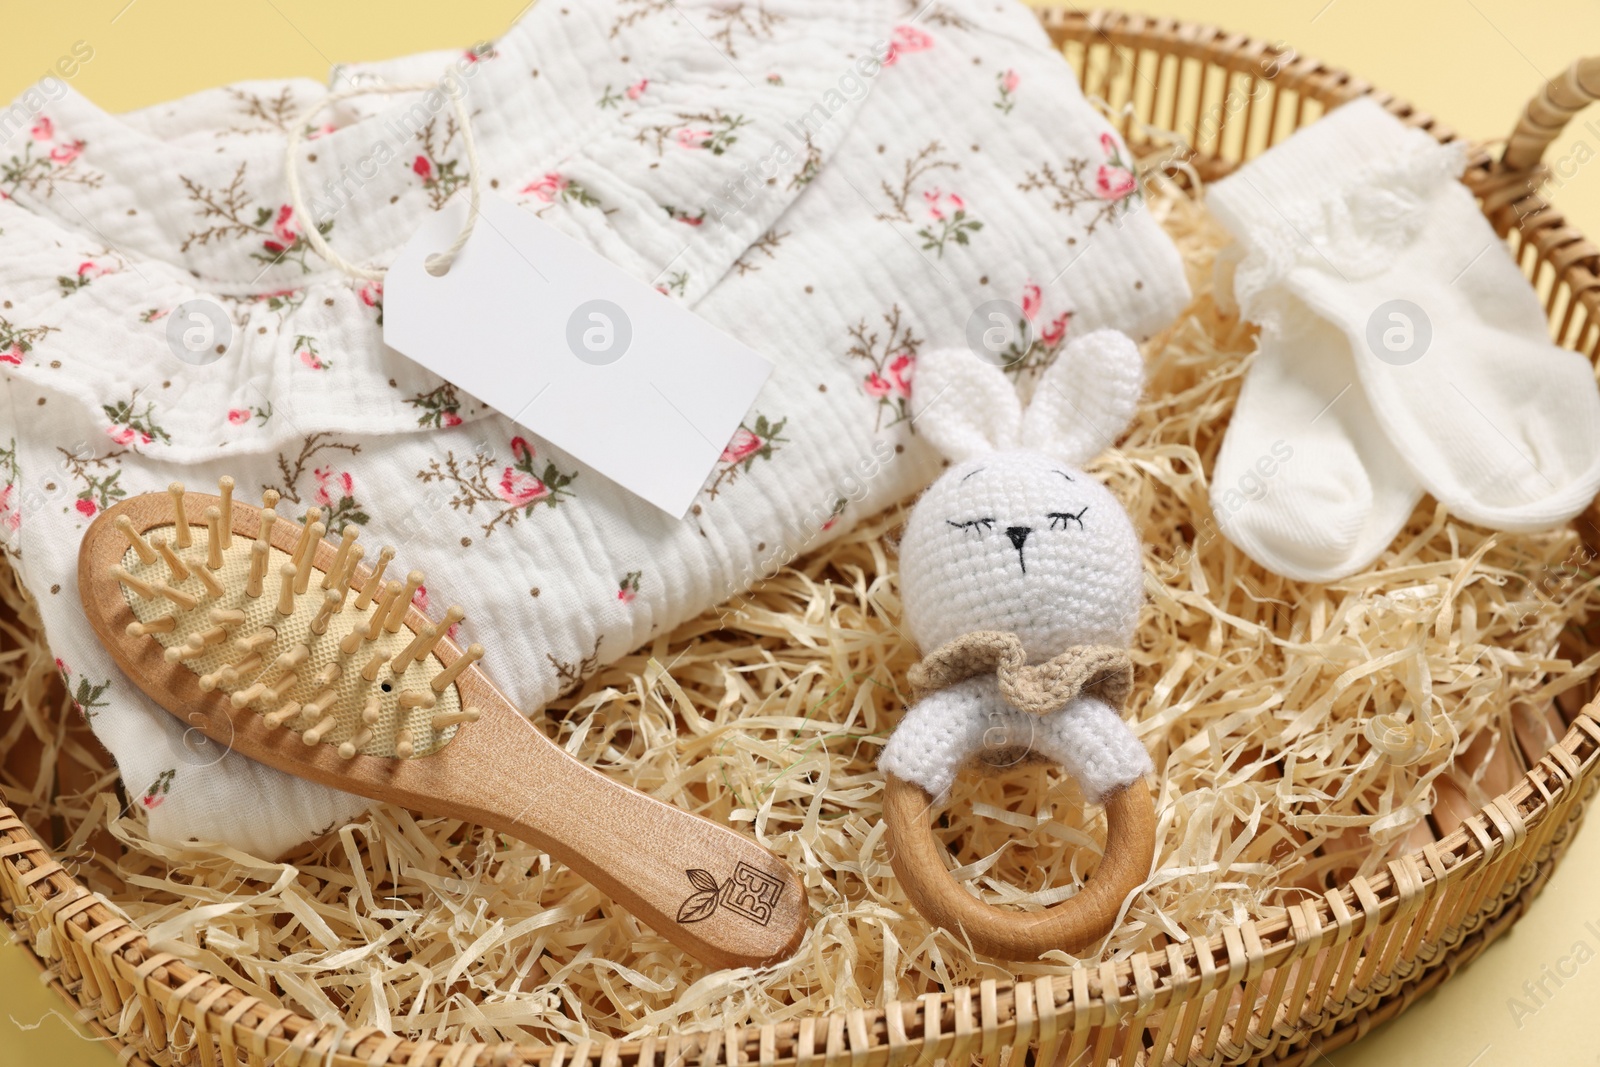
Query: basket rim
point(100, 937)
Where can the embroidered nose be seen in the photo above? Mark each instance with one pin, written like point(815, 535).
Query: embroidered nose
point(1019, 536)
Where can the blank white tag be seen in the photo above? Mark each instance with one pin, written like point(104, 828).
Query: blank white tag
point(554, 336)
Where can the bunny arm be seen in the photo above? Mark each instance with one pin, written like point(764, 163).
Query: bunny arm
point(945, 730)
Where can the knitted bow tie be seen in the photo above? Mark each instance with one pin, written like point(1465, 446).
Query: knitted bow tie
point(1102, 670)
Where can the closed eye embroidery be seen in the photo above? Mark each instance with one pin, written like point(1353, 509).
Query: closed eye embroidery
point(1063, 517)
point(977, 526)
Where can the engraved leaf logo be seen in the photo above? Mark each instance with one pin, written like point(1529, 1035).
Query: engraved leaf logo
point(702, 903)
point(697, 907)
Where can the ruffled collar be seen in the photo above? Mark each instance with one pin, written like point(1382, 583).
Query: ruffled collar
point(672, 174)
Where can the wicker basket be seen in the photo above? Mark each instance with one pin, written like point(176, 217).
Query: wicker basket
point(1271, 992)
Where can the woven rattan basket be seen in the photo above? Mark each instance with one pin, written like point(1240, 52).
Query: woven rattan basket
point(1273, 992)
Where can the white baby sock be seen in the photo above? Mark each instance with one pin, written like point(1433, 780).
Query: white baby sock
point(1359, 222)
point(1305, 483)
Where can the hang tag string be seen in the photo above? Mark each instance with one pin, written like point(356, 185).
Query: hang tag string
point(436, 264)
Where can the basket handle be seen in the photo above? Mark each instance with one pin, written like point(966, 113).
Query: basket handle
point(1548, 113)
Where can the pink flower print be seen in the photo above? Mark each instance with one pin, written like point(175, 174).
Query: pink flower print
point(448, 419)
point(44, 129)
point(90, 269)
point(875, 384)
point(1057, 330)
point(743, 445)
point(1114, 183)
point(238, 416)
point(87, 508)
point(10, 517)
point(901, 369)
point(636, 90)
point(63, 154)
point(371, 293)
point(12, 355)
point(1006, 82)
point(911, 39)
point(519, 489)
point(159, 789)
point(284, 226)
point(521, 451)
point(332, 486)
point(905, 40)
point(689, 137)
point(939, 202)
point(127, 435)
point(423, 167)
point(1032, 300)
point(320, 131)
point(547, 188)
point(306, 350)
point(284, 232)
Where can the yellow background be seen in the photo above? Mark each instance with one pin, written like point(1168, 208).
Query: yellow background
point(1473, 63)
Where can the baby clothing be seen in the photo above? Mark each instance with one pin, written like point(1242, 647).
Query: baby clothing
point(1401, 350)
point(836, 183)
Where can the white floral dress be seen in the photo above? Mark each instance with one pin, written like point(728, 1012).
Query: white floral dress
point(838, 184)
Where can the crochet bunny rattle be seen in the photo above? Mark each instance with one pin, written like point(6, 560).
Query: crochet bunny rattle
point(1022, 575)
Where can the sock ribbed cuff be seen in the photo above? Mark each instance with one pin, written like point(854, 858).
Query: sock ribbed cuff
point(1324, 161)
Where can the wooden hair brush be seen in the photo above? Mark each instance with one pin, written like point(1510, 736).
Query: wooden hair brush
point(289, 650)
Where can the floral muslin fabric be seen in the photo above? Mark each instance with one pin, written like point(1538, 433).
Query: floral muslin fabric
point(837, 183)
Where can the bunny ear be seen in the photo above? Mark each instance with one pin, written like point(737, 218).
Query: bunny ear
point(1086, 398)
point(964, 406)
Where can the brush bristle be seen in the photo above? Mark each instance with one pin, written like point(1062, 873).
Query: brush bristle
point(254, 622)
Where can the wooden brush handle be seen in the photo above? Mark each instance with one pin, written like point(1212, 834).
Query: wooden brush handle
point(709, 890)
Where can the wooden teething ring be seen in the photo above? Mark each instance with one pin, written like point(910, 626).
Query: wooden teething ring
point(1071, 926)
